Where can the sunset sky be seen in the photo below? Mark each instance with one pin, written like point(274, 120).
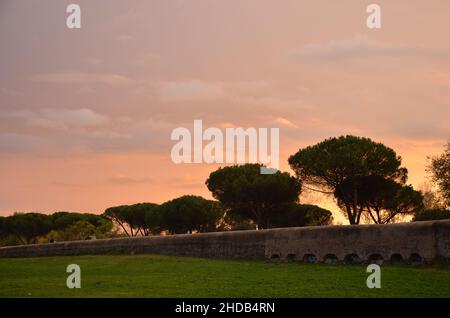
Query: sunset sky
point(86, 114)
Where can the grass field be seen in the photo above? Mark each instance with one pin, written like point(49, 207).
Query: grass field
point(164, 276)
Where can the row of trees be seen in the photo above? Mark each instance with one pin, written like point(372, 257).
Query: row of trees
point(186, 214)
point(28, 228)
point(189, 214)
point(365, 178)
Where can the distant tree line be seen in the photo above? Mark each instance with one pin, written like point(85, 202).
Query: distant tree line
point(194, 214)
point(186, 214)
point(31, 228)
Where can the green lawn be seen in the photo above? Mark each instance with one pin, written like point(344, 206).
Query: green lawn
point(165, 276)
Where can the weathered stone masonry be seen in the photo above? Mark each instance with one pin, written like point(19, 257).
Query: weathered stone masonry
point(409, 242)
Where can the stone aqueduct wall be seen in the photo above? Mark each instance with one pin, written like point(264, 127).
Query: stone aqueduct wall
point(413, 242)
